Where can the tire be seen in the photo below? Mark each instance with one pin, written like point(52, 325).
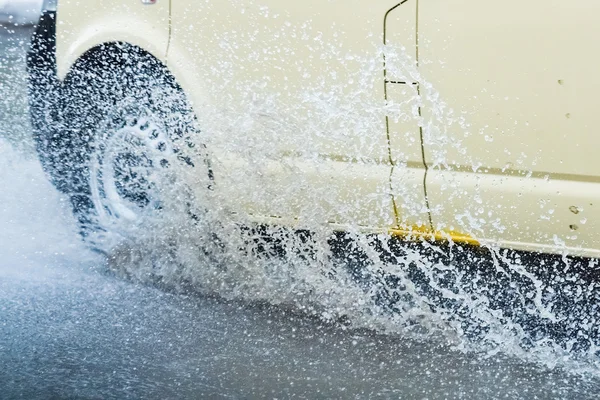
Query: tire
point(125, 148)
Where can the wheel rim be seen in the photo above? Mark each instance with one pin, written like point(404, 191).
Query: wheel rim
point(129, 168)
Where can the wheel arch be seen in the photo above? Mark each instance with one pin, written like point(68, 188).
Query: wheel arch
point(56, 51)
point(79, 29)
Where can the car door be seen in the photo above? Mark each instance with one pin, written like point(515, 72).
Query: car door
point(292, 103)
point(509, 118)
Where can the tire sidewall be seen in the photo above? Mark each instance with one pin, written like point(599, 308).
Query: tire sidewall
point(95, 94)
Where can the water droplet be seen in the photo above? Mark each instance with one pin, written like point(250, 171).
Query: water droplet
point(574, 209)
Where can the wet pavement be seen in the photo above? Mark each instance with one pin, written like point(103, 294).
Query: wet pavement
point(69, 333)
point(68, 329)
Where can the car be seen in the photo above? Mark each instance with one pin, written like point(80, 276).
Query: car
point(469, 122)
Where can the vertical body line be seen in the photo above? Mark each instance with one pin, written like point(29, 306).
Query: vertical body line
point(425, 166)
point(387, 118)
point(387, 121)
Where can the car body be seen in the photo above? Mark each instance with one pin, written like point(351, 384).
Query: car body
point(469, 121)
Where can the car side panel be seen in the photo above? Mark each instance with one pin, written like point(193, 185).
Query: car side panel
point(509, 92)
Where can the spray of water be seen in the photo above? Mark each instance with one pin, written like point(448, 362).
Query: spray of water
point(487, 299)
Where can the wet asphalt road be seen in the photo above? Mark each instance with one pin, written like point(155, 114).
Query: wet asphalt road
point(69, 330)
point(71, 333)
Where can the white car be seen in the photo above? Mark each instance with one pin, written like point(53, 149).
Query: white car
point(468, 121)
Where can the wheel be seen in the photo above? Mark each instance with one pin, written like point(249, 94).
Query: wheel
point(125, 149)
